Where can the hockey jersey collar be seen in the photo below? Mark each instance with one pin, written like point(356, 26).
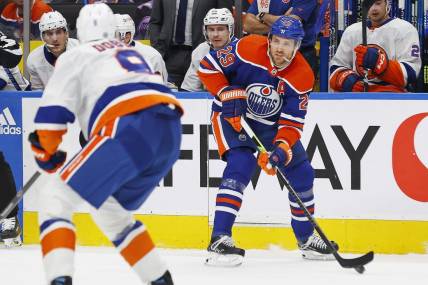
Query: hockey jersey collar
point(370, 26)
point(50, 57)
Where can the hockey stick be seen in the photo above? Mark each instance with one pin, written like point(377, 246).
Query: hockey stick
point(365, 9)
point(356, 263)
point(18, 197)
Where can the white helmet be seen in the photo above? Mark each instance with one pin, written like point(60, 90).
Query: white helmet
point(219, 17)
point(124, 24)
point(95, 22)
point(51, 21)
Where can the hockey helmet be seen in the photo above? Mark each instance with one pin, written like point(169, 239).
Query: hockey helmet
point(51, 21)
point(219, 17)
point(124, 24)
point(95, 22)
point(288, 27)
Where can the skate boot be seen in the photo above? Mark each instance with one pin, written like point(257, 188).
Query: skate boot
point(10, 232)
point(165, 279)
point(223, 252)
point(62, 280)
point(316, 249)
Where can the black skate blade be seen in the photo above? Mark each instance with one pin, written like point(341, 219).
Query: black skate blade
point(354, 262)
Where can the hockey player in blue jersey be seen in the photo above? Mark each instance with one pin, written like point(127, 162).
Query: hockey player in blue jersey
point(131, 121)
point(268, 81)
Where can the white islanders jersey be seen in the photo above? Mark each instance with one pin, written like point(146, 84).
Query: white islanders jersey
point(191, 80)
point(97, 82)
point(154, 58)
point(41, 64)
point(397, 37)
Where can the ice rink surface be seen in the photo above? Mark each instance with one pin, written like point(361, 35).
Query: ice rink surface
point(103, 266)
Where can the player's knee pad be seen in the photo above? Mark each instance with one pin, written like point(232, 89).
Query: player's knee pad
point(241, 164)
point(57, 200)
point(112, 218)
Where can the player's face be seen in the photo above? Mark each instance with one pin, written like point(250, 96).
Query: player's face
point(218, 35)
point(126, 39)
point(56, 40)
point(281, 50)
point(378, 12)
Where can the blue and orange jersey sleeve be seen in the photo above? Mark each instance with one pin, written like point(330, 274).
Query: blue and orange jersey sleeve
point(213, 67)
point(292, 117)
point(300, 80)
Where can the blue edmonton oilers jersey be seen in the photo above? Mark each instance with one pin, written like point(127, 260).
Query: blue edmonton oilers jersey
point(274, 96)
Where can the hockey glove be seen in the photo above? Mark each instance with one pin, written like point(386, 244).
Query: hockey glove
point(234, 104)
point(280, 156)
point(48, 162)
point(347, 80)
point(371, 57)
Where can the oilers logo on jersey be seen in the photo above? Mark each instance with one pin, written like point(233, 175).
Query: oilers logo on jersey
point(263, 101)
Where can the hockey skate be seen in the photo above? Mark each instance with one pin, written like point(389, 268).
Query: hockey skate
point(165, 279)
point(10, 232)
point(316, 249)
point(223, 252)
point(63, 280)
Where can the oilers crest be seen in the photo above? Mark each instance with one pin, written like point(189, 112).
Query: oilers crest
point(262, 100)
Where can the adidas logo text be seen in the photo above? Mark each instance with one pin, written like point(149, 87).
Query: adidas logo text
point(8, 124)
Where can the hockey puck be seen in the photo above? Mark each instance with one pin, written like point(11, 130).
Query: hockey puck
point(360, 269)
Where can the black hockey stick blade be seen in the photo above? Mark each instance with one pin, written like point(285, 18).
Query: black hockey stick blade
point(356, 263)
point(19, 195)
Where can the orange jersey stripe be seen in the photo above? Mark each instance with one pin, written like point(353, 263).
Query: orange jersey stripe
point(290, 135)
point(58, 238)
point(206, 64)
point(230, 201)
point(290, 123)
point(301, 212)
point(77, 161)
point(139, 247)
point(217, 133)
point(132, 105)
point(109, 128)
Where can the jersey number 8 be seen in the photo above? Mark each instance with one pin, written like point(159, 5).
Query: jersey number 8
point(132, 61)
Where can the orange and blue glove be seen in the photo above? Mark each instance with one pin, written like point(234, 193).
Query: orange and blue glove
point(347, 80)
point(234, 105)
point(371, 57)
point(280, 156)
point(49, 162)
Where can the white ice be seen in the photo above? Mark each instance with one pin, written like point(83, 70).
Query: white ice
point(103, 266)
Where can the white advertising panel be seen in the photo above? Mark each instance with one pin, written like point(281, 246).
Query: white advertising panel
point(370, 157)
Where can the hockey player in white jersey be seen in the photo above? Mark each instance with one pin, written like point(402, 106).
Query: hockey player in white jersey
point(125, 31)
point(41, 61)
point(391, 58)
point(10, 76)
point(132, 123)
point(218, 32)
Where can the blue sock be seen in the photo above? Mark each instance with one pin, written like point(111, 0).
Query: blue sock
point(230, 193)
